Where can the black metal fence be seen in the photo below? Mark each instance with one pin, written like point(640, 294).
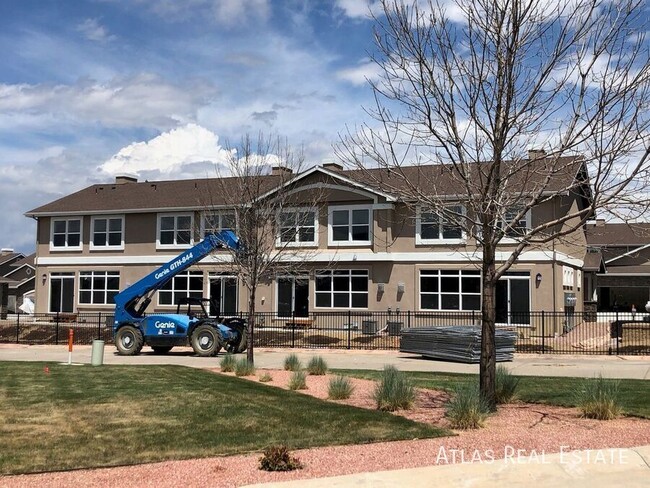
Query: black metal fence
point(537, 332)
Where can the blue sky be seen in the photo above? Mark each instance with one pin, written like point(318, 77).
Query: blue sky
point(89, 88)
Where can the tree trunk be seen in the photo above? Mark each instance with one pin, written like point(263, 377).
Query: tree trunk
point(250, 326)
point(488, 366)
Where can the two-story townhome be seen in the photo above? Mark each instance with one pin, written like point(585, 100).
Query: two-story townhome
point(365, 249)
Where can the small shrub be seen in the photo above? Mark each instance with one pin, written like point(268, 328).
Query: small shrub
point(598, 399)
point(298, 381)
point(466, 409)
point(266, 377)
point(394, 390)
point(506, 385)
point(317, 366)
point(244, 368)
point(292, 363)
point(339, 388)
point(228, 363)
point(278, 458)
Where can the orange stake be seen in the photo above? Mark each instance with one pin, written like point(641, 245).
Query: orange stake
point(70, 340)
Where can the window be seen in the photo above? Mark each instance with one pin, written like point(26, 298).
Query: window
point(432, 227)
point(520, 227)
point(349, 225)
point(214, 222)
point(66, 234)
point(175, 230)
point(297, 227)
point(61, 292)
point(187, 284)
point(342, 288)
point(450, 290)
point(107, 232)
point(98, 287)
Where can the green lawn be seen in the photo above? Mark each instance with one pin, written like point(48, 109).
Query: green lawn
point(83, 416)
point(634, 394)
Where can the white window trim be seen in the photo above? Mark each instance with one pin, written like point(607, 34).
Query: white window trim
point(295, 278)
point(105, 274)
point(350, 292)
point(314, 243)
point(214, 276)
point(175, 215)
point(441, 240)
point(506, 239)
point(187, 273)
point(220, 212)
point(440, 292)
point(66, 247)
point(349, 243)
point(108, 247)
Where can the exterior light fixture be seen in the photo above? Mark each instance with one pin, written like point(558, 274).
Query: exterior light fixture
point(44, 278)
point(538, 280)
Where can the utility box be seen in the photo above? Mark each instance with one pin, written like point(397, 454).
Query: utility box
point(369, 327)
point(394, 328)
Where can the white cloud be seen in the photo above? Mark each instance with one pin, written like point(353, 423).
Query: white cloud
point(359, 75)
point(177, 152)
point(141, 100)
point(359, 9)
point(234, 12)
point(93, 31)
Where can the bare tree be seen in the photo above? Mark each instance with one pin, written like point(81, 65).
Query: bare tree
point(272, 216)
point(472, 85)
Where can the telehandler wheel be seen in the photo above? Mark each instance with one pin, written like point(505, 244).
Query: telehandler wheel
point(161, 349)
point(240, 326)
point(129, 341)
point(206, 340)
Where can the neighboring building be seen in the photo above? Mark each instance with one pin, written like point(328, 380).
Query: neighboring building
point(17, 271)
point(94, 242)
point(617, 266)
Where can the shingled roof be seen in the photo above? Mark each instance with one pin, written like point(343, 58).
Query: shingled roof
point(617, 234)
point(207, 192)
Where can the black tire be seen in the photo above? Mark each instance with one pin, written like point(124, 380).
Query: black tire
point(161, 349)
point(241, 343)
point(129, 341)
point(206, 340)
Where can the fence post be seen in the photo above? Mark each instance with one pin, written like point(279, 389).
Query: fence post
point(619, 333)
point(408, 319)
point(543, 332)
point(56, 340)
point(349, 329)
point(99, 326)
point(293, 329)
point(17, 328)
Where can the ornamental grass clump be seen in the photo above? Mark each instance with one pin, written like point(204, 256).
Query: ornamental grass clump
point(265, 378)
point(506, 385)
point(340, 388)
point(292, 363)
point(394, 390)
point(244, 368)
point(228, 363)
point(278, 458)
point(467, 409)
point(317, 366)
point(598, 398)
point(298, 381)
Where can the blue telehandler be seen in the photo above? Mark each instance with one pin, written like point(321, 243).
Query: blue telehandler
point(133, 329)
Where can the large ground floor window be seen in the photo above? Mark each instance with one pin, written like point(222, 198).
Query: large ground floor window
point(187, 284)
point(293, 296)
point(450, 289)
point(62, 292)
point(342, 288)
point(223, 295)
point(98, 287)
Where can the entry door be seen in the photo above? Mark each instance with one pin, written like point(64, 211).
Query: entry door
point(513, 299)
point(293, 296)
point(223, 296)
point(62, 292)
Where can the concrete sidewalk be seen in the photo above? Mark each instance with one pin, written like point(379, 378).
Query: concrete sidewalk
point(636, 367)
point(602, 468)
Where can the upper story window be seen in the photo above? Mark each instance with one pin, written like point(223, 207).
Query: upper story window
point(217, 221)
point(521, 226)
point(175, 230)
point(350, 225)
point(433, 227)
point(297, 227)
point(66, 234)
point(107, 233)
